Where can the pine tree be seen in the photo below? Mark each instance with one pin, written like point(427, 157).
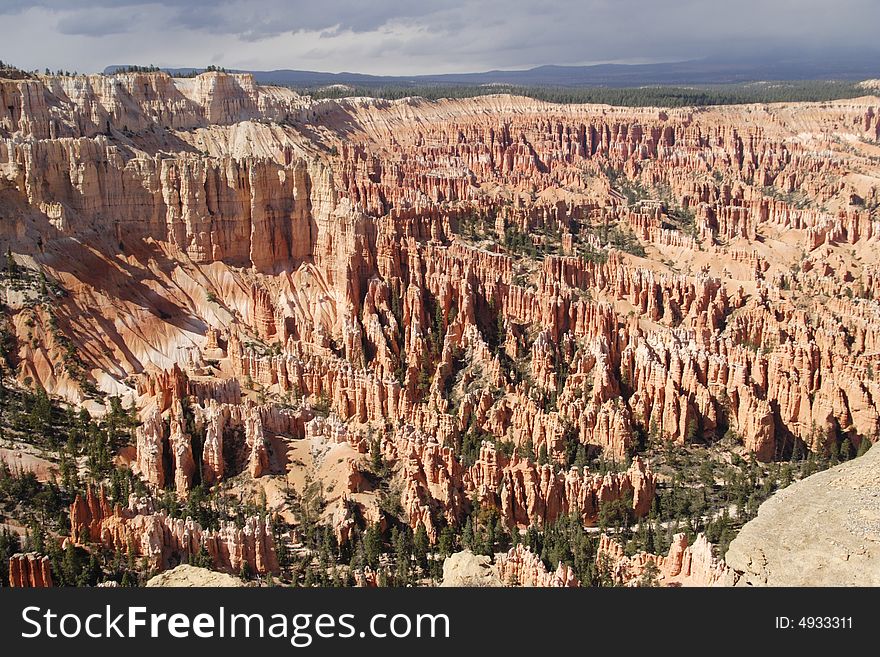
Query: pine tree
point(650, 576)
point(489, 546)
point(846, 449)
point(35, 538)
point(467, 534)
point(309, 579)
point(834, 450)
point(89, 574)
point(446, 542)
point(70, 566)
point(10, 543)
point(502, 538)
point(421, 547)
point(69, 475)
point(373, 545)
point(402, 552)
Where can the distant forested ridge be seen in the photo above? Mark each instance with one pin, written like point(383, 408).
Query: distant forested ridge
point(652, 96)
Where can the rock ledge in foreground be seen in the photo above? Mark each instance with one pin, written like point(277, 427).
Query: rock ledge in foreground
point(191, 576)
point(821, 531)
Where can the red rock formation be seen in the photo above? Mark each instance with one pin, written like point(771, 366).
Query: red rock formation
point(685, 565)
point(527, 494)
point(521, 567)
point(29, 571)
point(524, 493)
point(700, 274)
point(167, 385)
point(166, 541)
point(245, 426)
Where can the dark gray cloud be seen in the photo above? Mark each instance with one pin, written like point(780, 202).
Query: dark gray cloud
point(256, 18)
point(394, 36)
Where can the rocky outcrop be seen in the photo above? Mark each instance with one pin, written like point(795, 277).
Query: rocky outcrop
point(528, 494)
point(524, 493)
point(517, 567)
point(164, 386)
point(522, 567)
point(29, 570)
point(165, 541)
point(91, 105)
point(231, 432)
point(821, 531)
point(468, 569)
point(684, 565)
point(187, 576)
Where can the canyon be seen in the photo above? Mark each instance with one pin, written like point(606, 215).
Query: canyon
point(426, 311)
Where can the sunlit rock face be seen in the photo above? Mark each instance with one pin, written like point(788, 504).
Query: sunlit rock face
point(165, 541)
point(684, 565)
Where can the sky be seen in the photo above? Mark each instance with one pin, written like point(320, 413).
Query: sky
point(394, 37)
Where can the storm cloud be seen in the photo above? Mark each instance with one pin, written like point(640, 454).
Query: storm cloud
point(420, 36)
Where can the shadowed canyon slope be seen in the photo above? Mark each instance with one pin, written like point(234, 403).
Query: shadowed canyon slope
point(471, 299)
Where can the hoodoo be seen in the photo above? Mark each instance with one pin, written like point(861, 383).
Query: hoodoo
point(337, 341)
